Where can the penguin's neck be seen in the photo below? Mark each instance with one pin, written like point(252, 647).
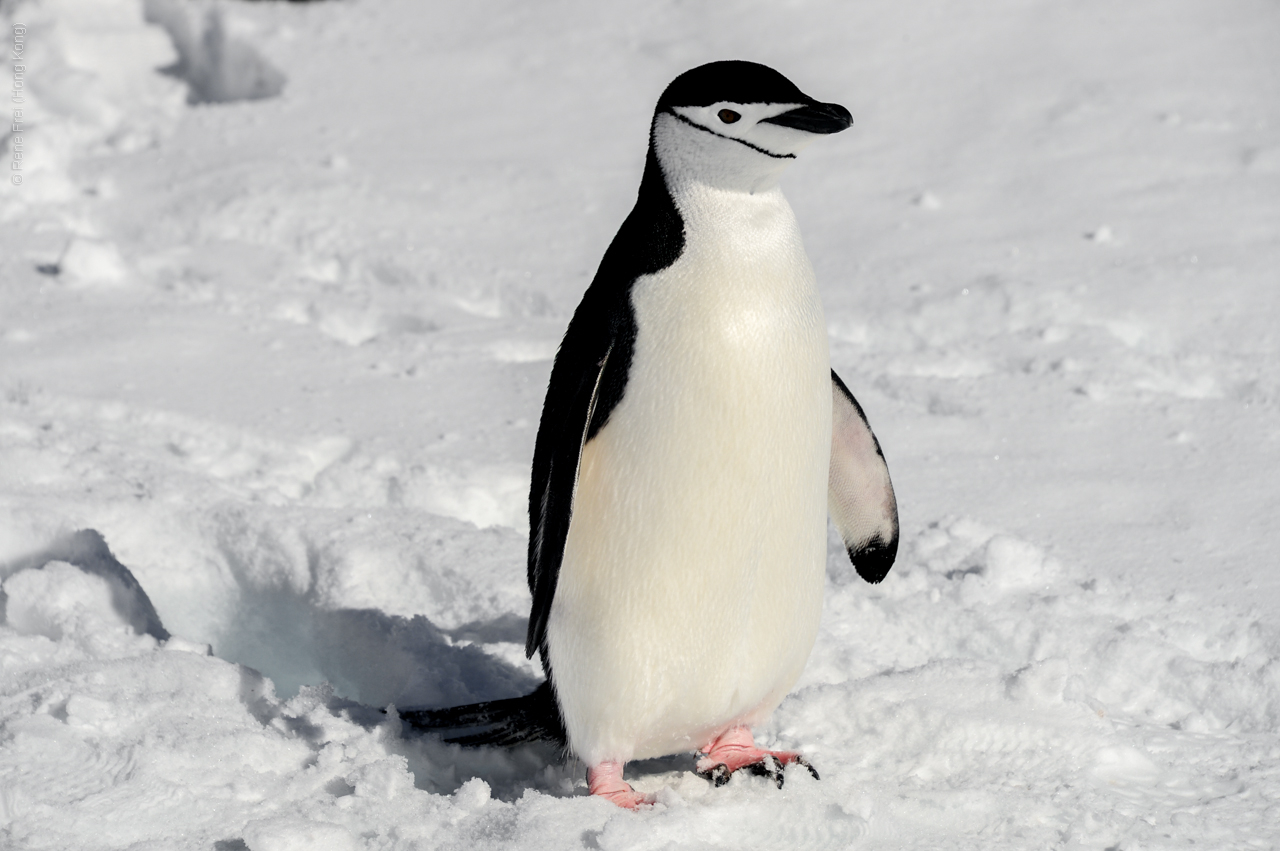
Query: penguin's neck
point(742, 279)
point(745, 222)
point(742, 238)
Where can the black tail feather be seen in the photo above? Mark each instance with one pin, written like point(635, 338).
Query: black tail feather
point(535, 717)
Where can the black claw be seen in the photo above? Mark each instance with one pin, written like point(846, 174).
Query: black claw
point(769, 767)
point(809, 766)
point(718, 774)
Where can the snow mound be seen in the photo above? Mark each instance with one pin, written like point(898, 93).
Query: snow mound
point(987, 689)
point(91, 262)
point(59, 601)
point(92, 87)
point(217, 66)
point(988, 665)
point(87, 553)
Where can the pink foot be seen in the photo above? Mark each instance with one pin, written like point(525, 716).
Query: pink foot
point(735, 749)
point(606, 781)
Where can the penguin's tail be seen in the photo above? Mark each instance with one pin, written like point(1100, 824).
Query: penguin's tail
point(535, 717)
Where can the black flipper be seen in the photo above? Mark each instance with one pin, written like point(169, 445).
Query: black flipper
point(572, 399)
point(514, 721)
point(588, 380)
point(860, 495)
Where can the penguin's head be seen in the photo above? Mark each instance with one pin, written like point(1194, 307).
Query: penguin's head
point(736, 125)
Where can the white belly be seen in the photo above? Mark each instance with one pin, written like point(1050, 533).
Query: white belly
point(691, 587)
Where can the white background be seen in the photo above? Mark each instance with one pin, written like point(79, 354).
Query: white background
point(287, 355)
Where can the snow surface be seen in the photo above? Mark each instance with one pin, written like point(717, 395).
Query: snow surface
point(277, 322)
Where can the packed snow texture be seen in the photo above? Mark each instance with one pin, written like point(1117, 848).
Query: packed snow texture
point(281, 285)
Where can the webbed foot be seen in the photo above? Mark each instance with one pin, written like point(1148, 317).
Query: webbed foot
point(606, 781)
point(735, 749)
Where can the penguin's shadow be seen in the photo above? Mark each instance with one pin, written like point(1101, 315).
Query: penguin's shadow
point(356, 663)
point(411, 663)
point(374, 661)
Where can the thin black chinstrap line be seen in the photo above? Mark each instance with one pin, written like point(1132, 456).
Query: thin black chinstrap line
point(730, 138)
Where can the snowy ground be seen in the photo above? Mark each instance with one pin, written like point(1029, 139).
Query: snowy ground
point(287, 353)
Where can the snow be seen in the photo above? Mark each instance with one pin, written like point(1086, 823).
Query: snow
point(277, 321)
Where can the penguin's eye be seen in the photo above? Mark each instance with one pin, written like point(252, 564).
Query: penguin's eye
point(728, 116)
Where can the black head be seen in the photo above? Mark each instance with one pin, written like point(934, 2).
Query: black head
point(736, 125)
point(733, 80)
point(740, 82)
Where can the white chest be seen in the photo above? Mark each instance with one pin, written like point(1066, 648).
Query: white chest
point(743, 287)
point(691, 585)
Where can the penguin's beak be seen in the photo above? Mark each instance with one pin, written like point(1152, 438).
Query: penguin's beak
point(822, 118)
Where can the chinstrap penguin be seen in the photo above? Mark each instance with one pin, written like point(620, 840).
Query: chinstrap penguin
point(693, 441)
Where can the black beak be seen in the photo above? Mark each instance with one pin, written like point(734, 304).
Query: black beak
point(815, 118)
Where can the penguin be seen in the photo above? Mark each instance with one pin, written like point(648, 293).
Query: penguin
point(693, 441)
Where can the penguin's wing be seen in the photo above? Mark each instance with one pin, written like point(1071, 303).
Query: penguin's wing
point(586, 382)
point(860, 496)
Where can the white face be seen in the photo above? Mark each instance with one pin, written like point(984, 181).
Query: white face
point(741, 121)
point(726, 145)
